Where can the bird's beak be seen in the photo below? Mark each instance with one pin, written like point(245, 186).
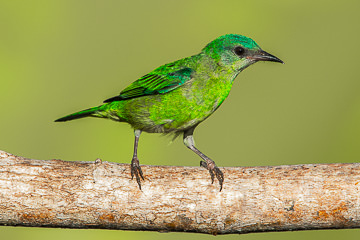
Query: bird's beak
point(264, 56)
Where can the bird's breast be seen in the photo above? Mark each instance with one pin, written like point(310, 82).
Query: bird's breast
point(210, 94)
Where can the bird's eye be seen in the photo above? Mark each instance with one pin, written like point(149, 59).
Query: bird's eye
point(239, 50)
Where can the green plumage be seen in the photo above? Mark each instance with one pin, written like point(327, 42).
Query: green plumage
point(176, 97)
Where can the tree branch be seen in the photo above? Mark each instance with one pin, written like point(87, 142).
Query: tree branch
point(57, 193)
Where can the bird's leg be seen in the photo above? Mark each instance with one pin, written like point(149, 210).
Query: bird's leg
point(207, 162)
point(135, 166)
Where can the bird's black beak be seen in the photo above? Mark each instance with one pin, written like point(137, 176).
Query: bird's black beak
point(264, 56)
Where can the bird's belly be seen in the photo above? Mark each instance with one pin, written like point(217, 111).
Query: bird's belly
point(172, 112)
point(174, 115)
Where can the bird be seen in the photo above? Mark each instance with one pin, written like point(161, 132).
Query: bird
point(176, 97)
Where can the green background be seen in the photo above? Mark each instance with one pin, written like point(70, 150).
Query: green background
point(57, 57)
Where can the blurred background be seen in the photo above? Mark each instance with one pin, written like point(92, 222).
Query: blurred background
point(57, 57)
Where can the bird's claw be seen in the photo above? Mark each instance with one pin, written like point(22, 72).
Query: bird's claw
point(136, 171)
point(214, 172)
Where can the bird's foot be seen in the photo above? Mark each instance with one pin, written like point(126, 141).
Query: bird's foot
point(214, 171)
point(136, 171)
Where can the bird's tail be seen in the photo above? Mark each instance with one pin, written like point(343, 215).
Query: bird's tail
point(85, 113)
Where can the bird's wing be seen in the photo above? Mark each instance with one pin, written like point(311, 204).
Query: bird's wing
point(156, 82)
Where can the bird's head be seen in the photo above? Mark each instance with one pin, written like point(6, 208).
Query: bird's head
point(237, 52)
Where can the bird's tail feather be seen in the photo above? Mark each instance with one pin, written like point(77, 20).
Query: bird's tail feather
point(85, 113)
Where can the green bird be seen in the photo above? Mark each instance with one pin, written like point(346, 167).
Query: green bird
point(176, 97)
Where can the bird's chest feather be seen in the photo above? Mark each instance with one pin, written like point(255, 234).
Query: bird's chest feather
point(207, 96)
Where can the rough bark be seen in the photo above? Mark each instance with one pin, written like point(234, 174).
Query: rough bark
point(97, 194)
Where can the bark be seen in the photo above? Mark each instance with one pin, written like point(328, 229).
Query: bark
point(55, 193)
